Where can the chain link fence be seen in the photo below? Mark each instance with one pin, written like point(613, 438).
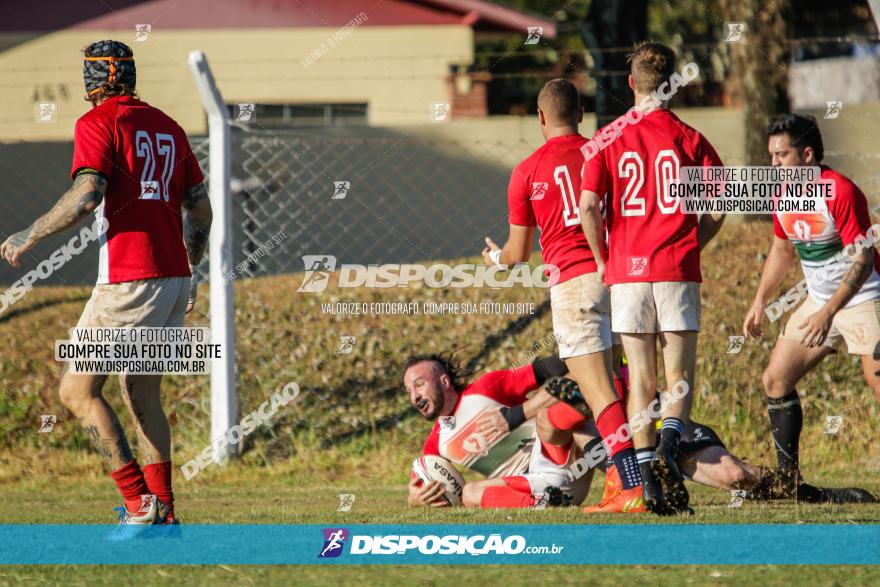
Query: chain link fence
point(373, 199)
point(362, 195)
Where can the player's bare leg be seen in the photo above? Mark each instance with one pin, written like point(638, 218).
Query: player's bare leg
point(715, 467)
point(679, 364)
point(142, 396)
point(592, 373)
point(679, 359)
point(81, 394)
point(789, 362)
point(641, 354)
point(871, 369)
point(472, 493)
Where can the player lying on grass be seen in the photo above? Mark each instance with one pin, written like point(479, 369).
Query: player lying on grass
point(543, 193)
point(488, 426)
point(703, 458)
point(842, 273)
point(133, 167)
point(489, 432)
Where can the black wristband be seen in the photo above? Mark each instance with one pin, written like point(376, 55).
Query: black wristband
point(89, 171)
point(514, 416)
point(547, 368)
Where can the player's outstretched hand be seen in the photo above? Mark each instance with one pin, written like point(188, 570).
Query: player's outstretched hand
point(13, 247)
point(490, 247)
point(193, 292)
point(816, 329)
point(492, 424)
point(752, 324)
point(429, 494)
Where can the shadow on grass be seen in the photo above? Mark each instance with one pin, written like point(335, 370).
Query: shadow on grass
point(41, 306)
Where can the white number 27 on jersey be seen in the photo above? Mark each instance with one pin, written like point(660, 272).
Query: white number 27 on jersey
point(150, 151)
point(571, 214)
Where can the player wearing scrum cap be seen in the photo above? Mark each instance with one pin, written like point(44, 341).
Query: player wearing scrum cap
point(835, 246)
point(133, 168)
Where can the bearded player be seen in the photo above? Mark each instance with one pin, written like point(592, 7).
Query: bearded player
point(841, 272)
point(490, 429)
point(133, 167)
point(652, 261)
point(543, 193)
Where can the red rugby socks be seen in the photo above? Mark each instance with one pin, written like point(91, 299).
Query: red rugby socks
point(158, 478)
point(130, 480)
point(506, 497)
point(557, 454)
point(612, 424)
point(564, 417)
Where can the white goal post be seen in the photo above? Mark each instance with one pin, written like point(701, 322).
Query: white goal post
point(224, 399)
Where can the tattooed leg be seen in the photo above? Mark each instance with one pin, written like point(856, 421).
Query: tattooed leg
point(81, 394)
point(142, 396)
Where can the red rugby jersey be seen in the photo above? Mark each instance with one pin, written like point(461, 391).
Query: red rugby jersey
point(544, 191)
point(504, 388)
point(148, 163)
point(649, 238)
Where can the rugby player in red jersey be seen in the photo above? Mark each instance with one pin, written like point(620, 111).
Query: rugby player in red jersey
point(652, 261)
point(543, 192)
point(841, 267)
point(491, 430)
point(133, 167)
point(487, 426)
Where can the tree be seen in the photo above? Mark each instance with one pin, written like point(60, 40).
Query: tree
point(611, 28)
point(759, 60)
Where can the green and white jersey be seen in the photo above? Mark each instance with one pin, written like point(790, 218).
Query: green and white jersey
point(826, 240)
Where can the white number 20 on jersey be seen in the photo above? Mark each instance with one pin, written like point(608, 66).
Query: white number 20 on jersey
point(666, 168)
point(571, 214)
point(150, 151)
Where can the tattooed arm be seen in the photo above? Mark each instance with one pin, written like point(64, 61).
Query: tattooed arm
point(78, 202)
point(853, 280)
point(817, 326)
point(196, 228)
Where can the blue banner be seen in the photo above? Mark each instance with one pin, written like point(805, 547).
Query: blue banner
point(666, 544)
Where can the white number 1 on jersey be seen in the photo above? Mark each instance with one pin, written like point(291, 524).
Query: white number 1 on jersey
point(151, 189)
point(571, 214)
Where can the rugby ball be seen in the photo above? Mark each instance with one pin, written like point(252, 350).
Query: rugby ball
point(429, 468)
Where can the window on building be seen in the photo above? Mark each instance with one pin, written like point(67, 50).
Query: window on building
point(300, 115)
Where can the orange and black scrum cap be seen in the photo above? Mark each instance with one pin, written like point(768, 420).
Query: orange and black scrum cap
point(108, 64)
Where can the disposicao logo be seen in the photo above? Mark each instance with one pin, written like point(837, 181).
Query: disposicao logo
point(334, 540)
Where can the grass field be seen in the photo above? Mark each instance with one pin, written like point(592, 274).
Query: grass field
point(351, 430)
point(855, 576)
point(242, 494)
